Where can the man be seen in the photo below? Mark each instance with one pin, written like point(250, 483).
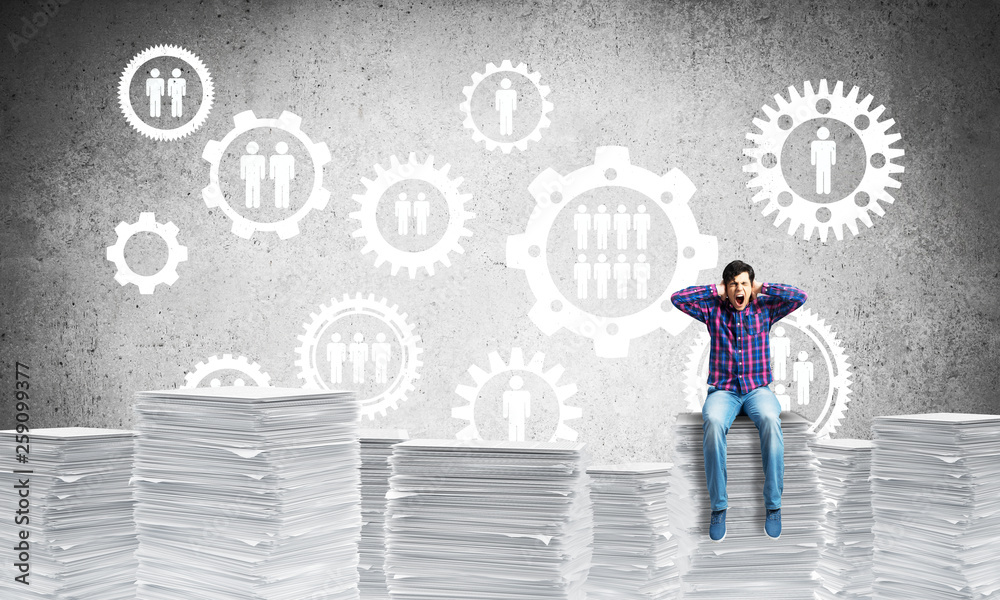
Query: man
point(739, 313)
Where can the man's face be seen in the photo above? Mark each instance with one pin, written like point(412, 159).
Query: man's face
point(738, 291)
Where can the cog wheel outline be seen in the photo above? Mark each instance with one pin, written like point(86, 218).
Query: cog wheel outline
point(771, 139)
point(125, 85)
point(327, 315)
point(367, 215)
point(319, 154)
point(175, 253)
point(506, 67)
point(480, 377)
point(226, 363)
point(695, 384)
point(611, 335)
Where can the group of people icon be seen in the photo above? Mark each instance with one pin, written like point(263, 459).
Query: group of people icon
point(175, 87)
point(359, 353)
point(418, 209)
point(602, 271)
point(802, 370)
point(602, 222)
point(254, 168)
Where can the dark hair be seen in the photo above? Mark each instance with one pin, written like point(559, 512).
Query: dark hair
point(733, 270)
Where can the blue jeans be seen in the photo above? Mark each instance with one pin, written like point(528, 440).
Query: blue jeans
point(719, 412)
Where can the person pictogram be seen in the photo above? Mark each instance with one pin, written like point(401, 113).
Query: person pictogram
point(421, 210)
point(282, 172)
point(623, 272)
point(359, 356)
point(823, 156)
point(602, 273)
point(381, 355)
point(783, 399)
point(641, 224)
point(582, 273)
point(781, 351)
point(404, 210)
point(602, 224)
point(252, 171)
point(802, 374)
point(506, 104)
point(336, 353)
point(582, 225)
point(516, 408)
point(623, 222)
point(641, 273)
point(176, 89)
point(155, 89)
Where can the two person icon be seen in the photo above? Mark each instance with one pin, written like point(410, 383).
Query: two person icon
point(253, 169)
point(420, 209)
point(175, 87)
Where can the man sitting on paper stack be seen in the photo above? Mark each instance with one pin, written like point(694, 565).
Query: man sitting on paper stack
point(739, 313)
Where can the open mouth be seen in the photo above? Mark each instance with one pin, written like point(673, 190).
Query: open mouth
point(740, 296)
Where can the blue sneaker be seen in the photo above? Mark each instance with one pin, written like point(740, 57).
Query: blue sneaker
point(717, 529)
point(772, 524)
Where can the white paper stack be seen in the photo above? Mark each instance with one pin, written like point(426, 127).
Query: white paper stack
point(936, 501)
point(845, 563)
point(77, 511)
point(747, 563)
point(376, 448)
point(247, 493)
point(488, 521)
point(634, 549)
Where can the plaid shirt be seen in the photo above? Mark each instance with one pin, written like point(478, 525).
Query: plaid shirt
point(740, 360)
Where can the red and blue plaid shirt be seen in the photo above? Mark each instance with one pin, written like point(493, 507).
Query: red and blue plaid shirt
point(740, 360)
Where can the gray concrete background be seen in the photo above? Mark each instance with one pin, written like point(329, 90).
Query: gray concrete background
point(915, 300)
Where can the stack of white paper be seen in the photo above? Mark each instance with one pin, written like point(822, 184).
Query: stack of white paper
point(75, 506)
point(747, 563)
point(247, 493)
point(845, 563)
point(936, 501)
point(376, 448)
point(634, 549)
point(488, 520)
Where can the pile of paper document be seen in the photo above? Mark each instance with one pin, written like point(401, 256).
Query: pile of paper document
point(376, 448)
point(247, 492)
point(488, 520)
point(747, 563)
point(845, 563)
point(634, 549)
point(936, 502)
point(67, 527)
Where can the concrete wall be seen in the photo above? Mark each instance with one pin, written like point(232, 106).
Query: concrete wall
point(914, 301)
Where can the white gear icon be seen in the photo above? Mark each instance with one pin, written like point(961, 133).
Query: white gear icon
point(401, 385)
point(374, 190)
point(497, 367)
point(226, 363)
point(470, 123)
point(125, 85)
point(290, 123)
point(175, 253)
point(838, 394)
point(797, 210)
point(553, 192)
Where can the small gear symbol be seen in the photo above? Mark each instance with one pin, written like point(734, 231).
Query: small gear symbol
point(227, 363)
point(553, 192)
point(470, 123)
point(848, 210)
point(824, 338)
point(497, 366)
point(290, 123)
point(175, 253)
point(401, 385)
point(457, 215)
point(125, 86)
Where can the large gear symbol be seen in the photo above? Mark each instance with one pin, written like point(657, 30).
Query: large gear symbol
point(848, 210)
point(175, 253)
point(226, 363)
point(553, 192)
point(374, 190)
point(838, 394)
point(290, 123)
point(401, 385)
point(470, 123)
point(497, 366)
point(125, 85)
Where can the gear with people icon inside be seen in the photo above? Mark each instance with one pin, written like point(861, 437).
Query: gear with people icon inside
point(860, 120)
point(215, 365)
point(506, 67)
